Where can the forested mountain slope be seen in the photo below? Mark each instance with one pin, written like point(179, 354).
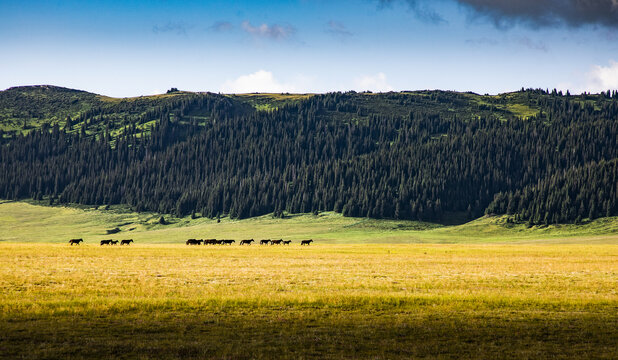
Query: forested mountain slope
point(543, 157)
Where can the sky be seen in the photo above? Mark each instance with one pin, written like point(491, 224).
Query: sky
point(137, 47)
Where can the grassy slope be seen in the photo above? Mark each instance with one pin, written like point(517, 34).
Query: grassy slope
point(44, 104)
point(39, 105)
point(266, 101)
point(24, 222)
point(49, 105)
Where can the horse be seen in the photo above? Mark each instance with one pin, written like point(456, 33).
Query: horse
point(75, 241)
point(264, 242)
point(248, 242)
point(193, 242)
point(114, 242)
point(287, 242)
point(210, 242)
point(126, 242)
point(306, 242)
point(106, 242)
point(228, 242)
point(276, 242)
point(219, 242)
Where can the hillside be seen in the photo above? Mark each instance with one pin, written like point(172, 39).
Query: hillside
point(28, 222)
point(433, 156)
point(25, 108)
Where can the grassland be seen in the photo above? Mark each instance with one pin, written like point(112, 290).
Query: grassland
point(366, 289)
point(270, 101)
point(324, 301)
point(25, 222)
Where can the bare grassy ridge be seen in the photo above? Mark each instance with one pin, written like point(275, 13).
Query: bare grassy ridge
point(326, 301)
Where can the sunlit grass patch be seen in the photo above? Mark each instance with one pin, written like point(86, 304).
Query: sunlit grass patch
point(326, 301)
point(24, 222)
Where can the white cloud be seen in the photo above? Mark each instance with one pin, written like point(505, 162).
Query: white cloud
point(602, 78)
point(598, 78)
point(375, 82)
point(259, 81)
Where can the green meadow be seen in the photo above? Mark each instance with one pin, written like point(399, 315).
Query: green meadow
point(28, 222)
point(373, 289)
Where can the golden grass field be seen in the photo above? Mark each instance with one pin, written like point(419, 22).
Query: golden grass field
point(553, 297)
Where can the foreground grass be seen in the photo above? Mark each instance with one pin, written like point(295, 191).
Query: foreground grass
point(24, 222)
point(324, 301)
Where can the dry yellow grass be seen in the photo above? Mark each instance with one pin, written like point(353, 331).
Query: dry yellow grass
point(541, 273)
point(326, 301)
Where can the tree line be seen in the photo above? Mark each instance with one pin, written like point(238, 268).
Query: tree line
point(374, 155)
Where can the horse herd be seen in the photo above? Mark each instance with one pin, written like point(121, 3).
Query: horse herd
point(243, 242)
point(201, 241)
point(103, 242)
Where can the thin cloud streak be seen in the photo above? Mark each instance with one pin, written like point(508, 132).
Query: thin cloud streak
point(273, 32)
point(420, 9)
point(171, 27)
point(520, 41)
point(337, 29)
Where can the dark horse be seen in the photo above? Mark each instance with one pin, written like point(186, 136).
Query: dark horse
point(194, 242)
point(276, 242)
point(287, 242)
point(248, 242)
point(264, 242)
point(114, 242)
point(126, 242)
point(75, 241)
point(228, 242)
point(106, 242)
point(306, 242)
point(210, 242)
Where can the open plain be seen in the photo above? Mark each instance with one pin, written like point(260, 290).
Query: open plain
point(487, 299)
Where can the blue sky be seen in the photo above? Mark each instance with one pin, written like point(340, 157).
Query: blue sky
point(132, 48)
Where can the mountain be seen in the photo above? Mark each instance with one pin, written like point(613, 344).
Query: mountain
point(430, 155)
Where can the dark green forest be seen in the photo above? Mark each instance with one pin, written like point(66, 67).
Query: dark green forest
point(543, 157)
